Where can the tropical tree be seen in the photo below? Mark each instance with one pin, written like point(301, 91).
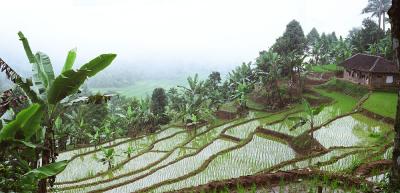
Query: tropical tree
point(241, 73)
point(291, 47)
point(158, 101)
point(343, 50)
point(140, 117)
point(370, 33)
point(268, 71)
point(191, 104)
point(241, 94)
point(311, 112)
point(18, 140)
point(316, 53)
point(175, 99)
point(312, 37)
point(214, 89)
point(50, 93)
point(378, 8)
point(382, 48)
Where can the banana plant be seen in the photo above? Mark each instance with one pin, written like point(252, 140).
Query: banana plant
point(18, 139)
point(241, 92)
point(311, 112)
point(54, 89)
point(129, 151)
point(94, 138)
point(108, 157)
point(51, 90)
point(10, 100)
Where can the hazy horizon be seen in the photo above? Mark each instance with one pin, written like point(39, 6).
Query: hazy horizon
point(168, 38)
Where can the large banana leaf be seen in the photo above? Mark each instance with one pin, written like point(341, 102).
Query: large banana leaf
point(43, 172)
point(69, 62)
point(43, 74)
point(27, 122)
point(48, 170)
point(98, 64)
point(27, 48)
point(66, 84)
point(40, 86)
point(46, 69)
point(70, 81)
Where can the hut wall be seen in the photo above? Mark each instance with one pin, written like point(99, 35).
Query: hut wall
point(379, 81)
point(356, 76)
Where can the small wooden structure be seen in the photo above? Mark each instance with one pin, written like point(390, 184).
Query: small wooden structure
point(375, 72)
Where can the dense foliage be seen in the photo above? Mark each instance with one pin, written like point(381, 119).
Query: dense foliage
point(29, 137)
point(46, 114)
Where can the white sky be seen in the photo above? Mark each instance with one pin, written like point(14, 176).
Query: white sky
point(160, 33)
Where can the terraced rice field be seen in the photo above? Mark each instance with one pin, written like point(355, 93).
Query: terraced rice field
point(175, 158)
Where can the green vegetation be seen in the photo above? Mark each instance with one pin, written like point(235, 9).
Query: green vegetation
point(382, 103)
point(344, 103)
point(325, 68)
point(345, 87)
point(142, 88)
point(173, 139)
point(29, 157)
point(231, 107)
point(251, 155)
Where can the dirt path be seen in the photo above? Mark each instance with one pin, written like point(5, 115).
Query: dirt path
point(373, 168)
point(275, 179)
point(310, 145)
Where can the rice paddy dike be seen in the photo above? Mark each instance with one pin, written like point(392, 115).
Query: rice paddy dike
point(176, 159)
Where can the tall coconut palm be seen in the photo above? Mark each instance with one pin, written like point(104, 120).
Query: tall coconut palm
point(378, 8)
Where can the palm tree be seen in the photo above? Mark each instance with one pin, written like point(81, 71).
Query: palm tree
point(378, 8)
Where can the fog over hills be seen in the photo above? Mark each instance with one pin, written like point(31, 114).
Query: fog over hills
point(162, 39)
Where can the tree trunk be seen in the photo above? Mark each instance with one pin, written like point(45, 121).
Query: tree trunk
point(319, 189)
point(62, 143)
point(394, 14)
point(45, 161)
point(379, 20)
point(383, 23)
point(312, 127)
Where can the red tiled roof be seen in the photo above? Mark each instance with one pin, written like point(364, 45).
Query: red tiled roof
point(370, 63)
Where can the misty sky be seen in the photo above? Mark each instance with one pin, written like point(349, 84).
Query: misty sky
point(164, 34)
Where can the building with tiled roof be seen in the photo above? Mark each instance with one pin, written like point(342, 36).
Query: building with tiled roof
point(373, 71)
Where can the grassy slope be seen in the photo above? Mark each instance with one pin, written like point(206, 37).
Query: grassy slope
point(142, 88)
point(254, 105)
point(324, 68)
point(345, 87)
point(345, 102)
point(229, 107)
point(382, 103)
